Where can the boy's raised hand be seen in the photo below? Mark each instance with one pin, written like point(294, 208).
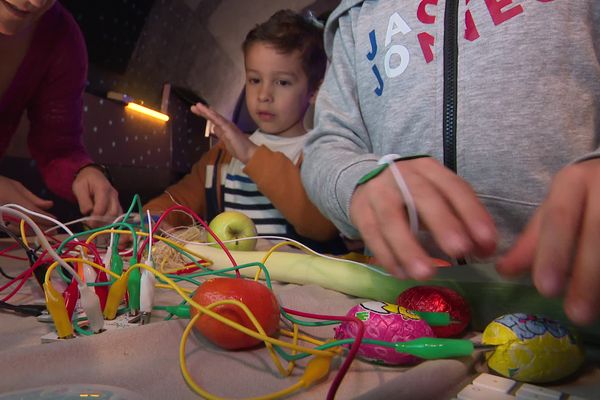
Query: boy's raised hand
point(236, 141)
point(561, 244)
point(447, 207)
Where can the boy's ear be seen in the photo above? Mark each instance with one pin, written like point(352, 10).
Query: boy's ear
point(313, 97)
point(315, 92)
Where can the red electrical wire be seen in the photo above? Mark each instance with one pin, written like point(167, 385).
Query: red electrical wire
point(337, 380)
point(23, 276)
point(9, 249)
point(204, 224)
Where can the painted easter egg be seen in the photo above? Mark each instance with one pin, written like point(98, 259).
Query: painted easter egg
point(532, 348)
point(386, 322)
point(438, 299)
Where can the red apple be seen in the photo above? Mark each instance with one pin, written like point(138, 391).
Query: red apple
point(256, 296)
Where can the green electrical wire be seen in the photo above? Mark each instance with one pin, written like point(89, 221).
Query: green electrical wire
point(119, 225)
point(425, 347)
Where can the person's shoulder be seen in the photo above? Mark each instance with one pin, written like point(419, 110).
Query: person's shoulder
point(333, 20)
point(59, 21)
point(59, 33)
point(343, 8)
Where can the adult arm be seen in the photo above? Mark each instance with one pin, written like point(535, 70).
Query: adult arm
point(56, 129)
point(55, 112)
point(339, 152)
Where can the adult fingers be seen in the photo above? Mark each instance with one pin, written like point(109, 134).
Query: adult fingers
point(561, 218)
point(438, 216)
point(468, 209)
point(386, 231)
point(115, 208)
point(102, 202)
point(28, 199)
point(582, 301)
point(83, 194)
point(519, 259)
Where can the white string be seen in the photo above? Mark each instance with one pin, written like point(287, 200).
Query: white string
point(413, 218)
point(179, 204)
point(8, 209)
point(42, 216)
point(82, 219)
point(149, 258)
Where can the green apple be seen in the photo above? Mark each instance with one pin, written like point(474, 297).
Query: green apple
point(233, 225)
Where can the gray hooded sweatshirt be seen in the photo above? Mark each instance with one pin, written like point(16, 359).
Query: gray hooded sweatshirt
point(525, 102)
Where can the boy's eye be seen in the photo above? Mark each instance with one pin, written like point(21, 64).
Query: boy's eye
point(283, 82)
point(253, 81)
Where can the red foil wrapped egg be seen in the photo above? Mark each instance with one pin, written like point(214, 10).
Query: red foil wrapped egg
point(438, 299)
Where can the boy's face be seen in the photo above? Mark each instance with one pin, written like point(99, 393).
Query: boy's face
point(277, 93)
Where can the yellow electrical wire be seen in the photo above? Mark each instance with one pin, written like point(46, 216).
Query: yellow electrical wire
point(292, 363)
point(260, 335)
point(189, 380)
point(305, 338)
point(23, 234)
point(309, 339)
point(80, 260)
point(232, 324)
point(278, 245)
point(206, 262)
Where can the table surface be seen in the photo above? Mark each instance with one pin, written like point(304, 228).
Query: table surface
point(145, 359)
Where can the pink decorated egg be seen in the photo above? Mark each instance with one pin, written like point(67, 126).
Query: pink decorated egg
point(438, 299)
point(386, 322)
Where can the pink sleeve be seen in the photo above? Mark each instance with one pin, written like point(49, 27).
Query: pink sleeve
point(56, 114)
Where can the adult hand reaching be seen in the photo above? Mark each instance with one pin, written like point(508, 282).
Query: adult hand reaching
point(447, 207)
point(561, 243)
point(12, 191)
point(96, 196)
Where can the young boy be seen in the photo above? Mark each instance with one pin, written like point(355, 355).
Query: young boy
point(259, 174)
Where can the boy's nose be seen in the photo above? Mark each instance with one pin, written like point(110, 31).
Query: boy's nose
point(265, 93)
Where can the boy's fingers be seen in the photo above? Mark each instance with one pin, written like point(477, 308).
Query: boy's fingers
point(210, 114)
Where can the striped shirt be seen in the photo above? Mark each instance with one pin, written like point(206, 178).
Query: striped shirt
point(241, 194)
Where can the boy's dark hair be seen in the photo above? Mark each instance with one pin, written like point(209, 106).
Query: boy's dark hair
point(288, 31)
